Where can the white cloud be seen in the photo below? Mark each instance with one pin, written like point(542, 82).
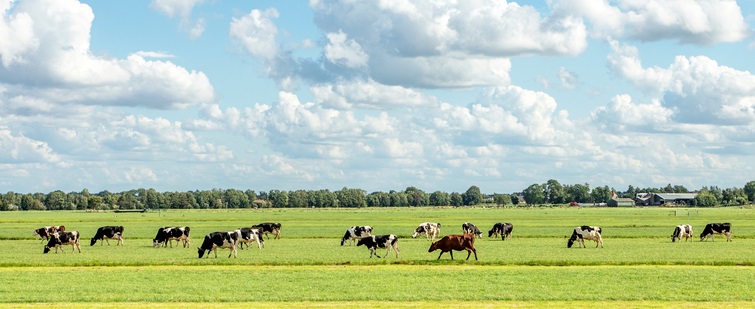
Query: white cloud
point(567, 78)
point(181, 9)
point(622, 113)
point(698, 89)
point(369, 95)
point(256, 33)
point(62, 69)
point(344, 52)
point(687, 21)
point(20, 149)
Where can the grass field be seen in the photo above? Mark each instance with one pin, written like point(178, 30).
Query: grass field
point(639, 266)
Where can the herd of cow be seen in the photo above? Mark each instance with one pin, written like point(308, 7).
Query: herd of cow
point(57, 236)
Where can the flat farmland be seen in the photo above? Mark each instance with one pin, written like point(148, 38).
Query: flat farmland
point(639, 266)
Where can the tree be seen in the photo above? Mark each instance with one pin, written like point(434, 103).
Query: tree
point(578, 193)
point(298, 199)
point(534, 194)
point(501, 199)
point(554, 192)
point(439, 198)
point(473, 196)
point(514, 199)
point(705, 198)
point(750, 191)
point(351, 197)
point(600, 194)
point(456, 199)
point(278, 198)
point(416, 197)
point(56, 200)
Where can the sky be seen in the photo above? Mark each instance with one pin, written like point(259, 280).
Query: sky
point(180, 95)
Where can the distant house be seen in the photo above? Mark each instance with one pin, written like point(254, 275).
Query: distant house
point(618, 201)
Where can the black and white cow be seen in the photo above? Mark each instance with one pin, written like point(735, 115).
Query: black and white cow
point(430, 229)
point(248, 234)
point(215, 240)
point(684, 230)
point(108, 232)
point(503, 229)
point(59, 239)
point(270, 228)
point(469, 228)
point(356, 232)
point(716, 228)
point(382, 241)
point(166, 235)
point(586, 232)
point(45, 232)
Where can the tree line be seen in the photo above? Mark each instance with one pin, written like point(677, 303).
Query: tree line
point(551, 192)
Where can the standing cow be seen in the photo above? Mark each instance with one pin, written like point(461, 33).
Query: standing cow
point(248, 234)
point(108, 232)
point(166, 235)
point(356, 232)
point(684, 230)
point(503, 229)
point(215, 240)
point(586, 232)
point(430, 229)
point(59, 239)
point(45, 232)
point(383, 241)
point(449, 243)
point(469, 228)
point(270, 228)
point(716, 228)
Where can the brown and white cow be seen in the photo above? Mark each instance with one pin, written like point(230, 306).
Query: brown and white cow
point(684, 230)
point(430, 229)
point(586, 232)
point(45, 232)
point(449, 243)
point(59, 239)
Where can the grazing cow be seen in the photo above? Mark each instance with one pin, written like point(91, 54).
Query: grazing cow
point(270, 228)
point(166, 235)
point(503, 229)
point(469, 228)
point(716, 228)
point(684, 230)
point(430, 229)
point(59, 239)
point(586, 232)
point(356, 232)
point(108, 232)
point(248, 234)
point(383, 241)
point(449, 243)
point(215, 240)
point(45, 232)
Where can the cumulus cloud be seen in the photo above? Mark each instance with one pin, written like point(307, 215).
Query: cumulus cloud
point(181, 9)
point(698, 89)
point(622, 113)
point(62, 69)
point(687, 21)
point(256, 32)
point(369, 95)
point(20, 149)
point(344, 52)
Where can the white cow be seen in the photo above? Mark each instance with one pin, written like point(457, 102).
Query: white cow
point(586, 232)
point(684, 230)
point(430, 229)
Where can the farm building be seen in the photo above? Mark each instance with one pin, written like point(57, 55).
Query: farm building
point(617, 201)
point(667, 199)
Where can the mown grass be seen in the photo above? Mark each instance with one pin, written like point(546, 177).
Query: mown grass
point(639, 264)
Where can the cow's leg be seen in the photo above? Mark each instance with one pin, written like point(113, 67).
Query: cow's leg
point(452, 254)
point(395, 248)
point(374, 250)
point(469, 252)
point(216, 252)
point(441, 254)
point(728, 236)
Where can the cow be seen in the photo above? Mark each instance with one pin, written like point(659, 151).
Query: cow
point(716, 228)
point(469, 228)
point(108, 232)
point(45, 232)
point(503, 229)
point(586, 232)
point(166, 235)
point(449, 243)
point(215, 240)
point(356, 232)
point(383, 241)
point(430, 229)
point(248, 234)
point(270, 228)
point(59, 239)
point(684, 230)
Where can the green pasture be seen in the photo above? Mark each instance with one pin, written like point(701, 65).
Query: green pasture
point(639, 266)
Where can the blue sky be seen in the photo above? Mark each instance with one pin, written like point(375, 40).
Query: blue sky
point(182, 95)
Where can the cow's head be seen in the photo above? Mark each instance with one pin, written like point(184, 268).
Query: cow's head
point(200, 252)
point(363, 241)
point(433, 247)
point(155, 243)
point(93, 241)
point(54, 241)
point(419, 230)
point(571, 241)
